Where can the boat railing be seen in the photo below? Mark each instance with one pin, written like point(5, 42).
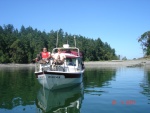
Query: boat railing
point(72, 50)
point(65, 67)
point(48, 66)
point(41, 67)
point(37, 67)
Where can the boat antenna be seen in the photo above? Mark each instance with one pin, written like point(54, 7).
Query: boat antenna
point(75, 40)
point(57, 40)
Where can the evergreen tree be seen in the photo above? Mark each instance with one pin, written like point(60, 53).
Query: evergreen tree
point(145, 42)
point(21, 46)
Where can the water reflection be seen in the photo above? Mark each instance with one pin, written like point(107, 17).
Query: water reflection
point(146, 84)
point(96, 78)
point(17, 87)
point(66, 100)
point(21, 93)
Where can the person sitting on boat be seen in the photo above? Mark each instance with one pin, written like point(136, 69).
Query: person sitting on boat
point(58, 58)
point(44, 56)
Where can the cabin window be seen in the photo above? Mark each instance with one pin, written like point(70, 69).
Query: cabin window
point(71, 61)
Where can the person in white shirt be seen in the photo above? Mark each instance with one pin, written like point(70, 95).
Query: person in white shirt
point(59, 58)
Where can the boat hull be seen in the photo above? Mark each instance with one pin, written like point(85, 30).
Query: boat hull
point(57, 80)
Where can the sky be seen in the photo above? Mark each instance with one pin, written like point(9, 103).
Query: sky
point(118, 22)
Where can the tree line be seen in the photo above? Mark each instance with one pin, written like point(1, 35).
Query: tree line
point(22, 46)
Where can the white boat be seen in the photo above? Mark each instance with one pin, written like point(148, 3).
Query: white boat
point(65, 75)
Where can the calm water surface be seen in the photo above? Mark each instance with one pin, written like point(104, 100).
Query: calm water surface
point(118, 90)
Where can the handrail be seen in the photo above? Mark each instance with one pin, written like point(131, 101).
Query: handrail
point(69, 48)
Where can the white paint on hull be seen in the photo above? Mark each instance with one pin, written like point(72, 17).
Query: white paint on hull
point(57, 81)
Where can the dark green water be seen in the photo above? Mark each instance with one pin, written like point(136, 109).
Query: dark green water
point(120, 90)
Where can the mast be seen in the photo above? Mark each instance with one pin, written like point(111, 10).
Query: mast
point(74, 40)
point(57, 40)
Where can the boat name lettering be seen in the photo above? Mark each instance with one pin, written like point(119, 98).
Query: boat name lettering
point(54, 76)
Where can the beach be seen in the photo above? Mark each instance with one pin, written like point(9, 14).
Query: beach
point(118, 63)
point(97, 64)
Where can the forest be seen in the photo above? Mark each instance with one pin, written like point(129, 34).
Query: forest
point(22, 45)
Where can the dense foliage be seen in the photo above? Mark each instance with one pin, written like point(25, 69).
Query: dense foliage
point(21, 46)
point(145, 42)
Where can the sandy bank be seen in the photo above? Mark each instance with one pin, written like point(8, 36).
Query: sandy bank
point(118, 63)
point(16, 65)
point(97, 64)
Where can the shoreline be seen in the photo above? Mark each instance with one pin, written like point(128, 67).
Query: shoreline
point(96, 64)
point(118, 63)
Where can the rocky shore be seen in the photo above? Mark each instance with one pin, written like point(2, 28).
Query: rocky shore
point(118, 63)
point(97, 64)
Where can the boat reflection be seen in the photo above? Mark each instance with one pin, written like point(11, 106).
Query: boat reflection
point(60, 101)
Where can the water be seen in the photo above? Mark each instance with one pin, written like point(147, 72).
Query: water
point(117, 90)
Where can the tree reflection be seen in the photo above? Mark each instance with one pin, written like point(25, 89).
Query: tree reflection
point(17, 87)
point(96, 78)
point(146, 84)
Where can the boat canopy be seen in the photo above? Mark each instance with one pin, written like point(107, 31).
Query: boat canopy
point(70, 52)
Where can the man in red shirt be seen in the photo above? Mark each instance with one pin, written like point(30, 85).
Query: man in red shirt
point(45, 56)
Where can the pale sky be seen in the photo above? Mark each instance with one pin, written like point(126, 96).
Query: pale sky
point(118, 22)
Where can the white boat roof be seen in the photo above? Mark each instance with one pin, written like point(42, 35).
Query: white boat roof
point(70, 52)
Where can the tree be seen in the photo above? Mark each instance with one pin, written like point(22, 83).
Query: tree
point(145, 42)
point(124, 58)
point(17, 52)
